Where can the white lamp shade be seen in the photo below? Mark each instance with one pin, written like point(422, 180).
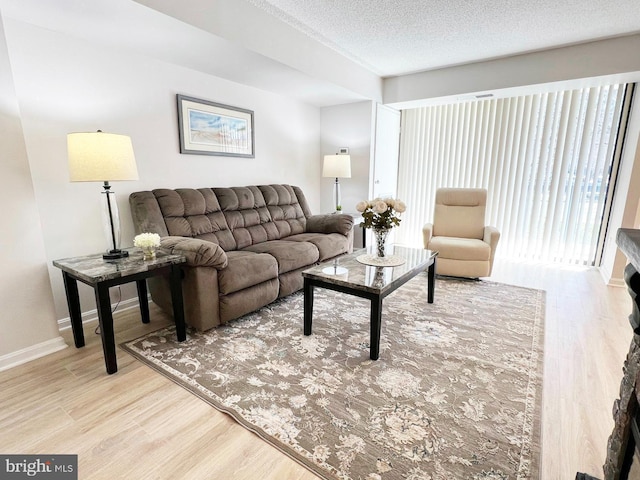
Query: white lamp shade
point(337, 166)
point(100, 157)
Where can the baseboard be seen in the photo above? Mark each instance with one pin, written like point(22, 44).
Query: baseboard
point(611, 281)
point(25, 355)
point(92, 315)
point(617, 282)
point(33, 352)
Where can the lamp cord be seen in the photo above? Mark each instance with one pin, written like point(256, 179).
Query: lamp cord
point(113, 310)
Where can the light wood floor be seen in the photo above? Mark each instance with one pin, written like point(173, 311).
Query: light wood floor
point(138, 425)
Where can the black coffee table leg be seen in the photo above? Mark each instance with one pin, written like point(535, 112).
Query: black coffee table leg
point(308, 306)
point(376, 326)
point(432, 281)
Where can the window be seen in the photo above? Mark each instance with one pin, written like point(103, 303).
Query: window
point(546, 160)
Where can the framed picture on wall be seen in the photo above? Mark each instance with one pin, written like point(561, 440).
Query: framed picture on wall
point(208, 128)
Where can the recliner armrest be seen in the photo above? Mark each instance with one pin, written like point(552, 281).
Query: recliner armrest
point(330, 223)
point(427, 233)
point(491, 236)
point(199, 253)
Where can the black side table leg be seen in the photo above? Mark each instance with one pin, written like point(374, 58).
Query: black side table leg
point(432, 281)
point(143, 300)
point(105, 318)
point(73, 302)
point(308, 306)
point(376, 327)
point(175, 280)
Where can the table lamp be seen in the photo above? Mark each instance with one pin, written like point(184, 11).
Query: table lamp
point(337, 166)
point(103, 157)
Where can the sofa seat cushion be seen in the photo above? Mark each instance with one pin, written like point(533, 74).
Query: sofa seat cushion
point(461, 248)
point(246, 269)
point(329, 245)
point(289, 255)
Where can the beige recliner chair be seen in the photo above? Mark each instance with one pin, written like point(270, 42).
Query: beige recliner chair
point(465, 244)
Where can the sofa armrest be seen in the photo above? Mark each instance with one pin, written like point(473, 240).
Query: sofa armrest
point(491, 236)
point(199, 253)
point(330, 223)
point(427, 233)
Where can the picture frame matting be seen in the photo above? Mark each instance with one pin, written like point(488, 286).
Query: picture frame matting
point(210, 128)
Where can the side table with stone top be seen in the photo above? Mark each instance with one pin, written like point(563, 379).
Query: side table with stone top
point(101, 274)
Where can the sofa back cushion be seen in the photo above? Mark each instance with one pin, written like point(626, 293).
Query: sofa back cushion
point(234, 217)
point(195, 213)
point(287, 207)
point(247, 215)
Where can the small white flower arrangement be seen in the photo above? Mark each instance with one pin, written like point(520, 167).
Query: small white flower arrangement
point(381, 212)
point(147, 240)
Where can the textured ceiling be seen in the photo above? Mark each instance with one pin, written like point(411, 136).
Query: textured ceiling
point(395, 37)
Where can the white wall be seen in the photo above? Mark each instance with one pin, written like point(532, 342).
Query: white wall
point(351, 126)
point(27, 321)
point(605, 58)
point(64, 85)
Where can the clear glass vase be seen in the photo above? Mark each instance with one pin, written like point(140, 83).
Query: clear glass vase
point(149, 253)
point(380, 236)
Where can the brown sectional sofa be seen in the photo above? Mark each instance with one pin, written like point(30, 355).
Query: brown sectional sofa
point(245, 246)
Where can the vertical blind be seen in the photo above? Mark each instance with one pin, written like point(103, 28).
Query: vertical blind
point(545, 160)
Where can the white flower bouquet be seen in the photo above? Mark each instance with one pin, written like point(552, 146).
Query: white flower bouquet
point(147, 240)
point(381, 212)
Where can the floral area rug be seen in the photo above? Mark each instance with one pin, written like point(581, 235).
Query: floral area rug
point(456, 393)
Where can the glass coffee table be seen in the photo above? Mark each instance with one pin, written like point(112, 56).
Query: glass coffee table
point(346, 274)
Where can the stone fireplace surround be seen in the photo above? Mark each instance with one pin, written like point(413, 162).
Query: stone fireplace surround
point(623, 460)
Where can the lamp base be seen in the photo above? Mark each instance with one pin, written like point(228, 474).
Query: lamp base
point(115, 254)
point(336, 196)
